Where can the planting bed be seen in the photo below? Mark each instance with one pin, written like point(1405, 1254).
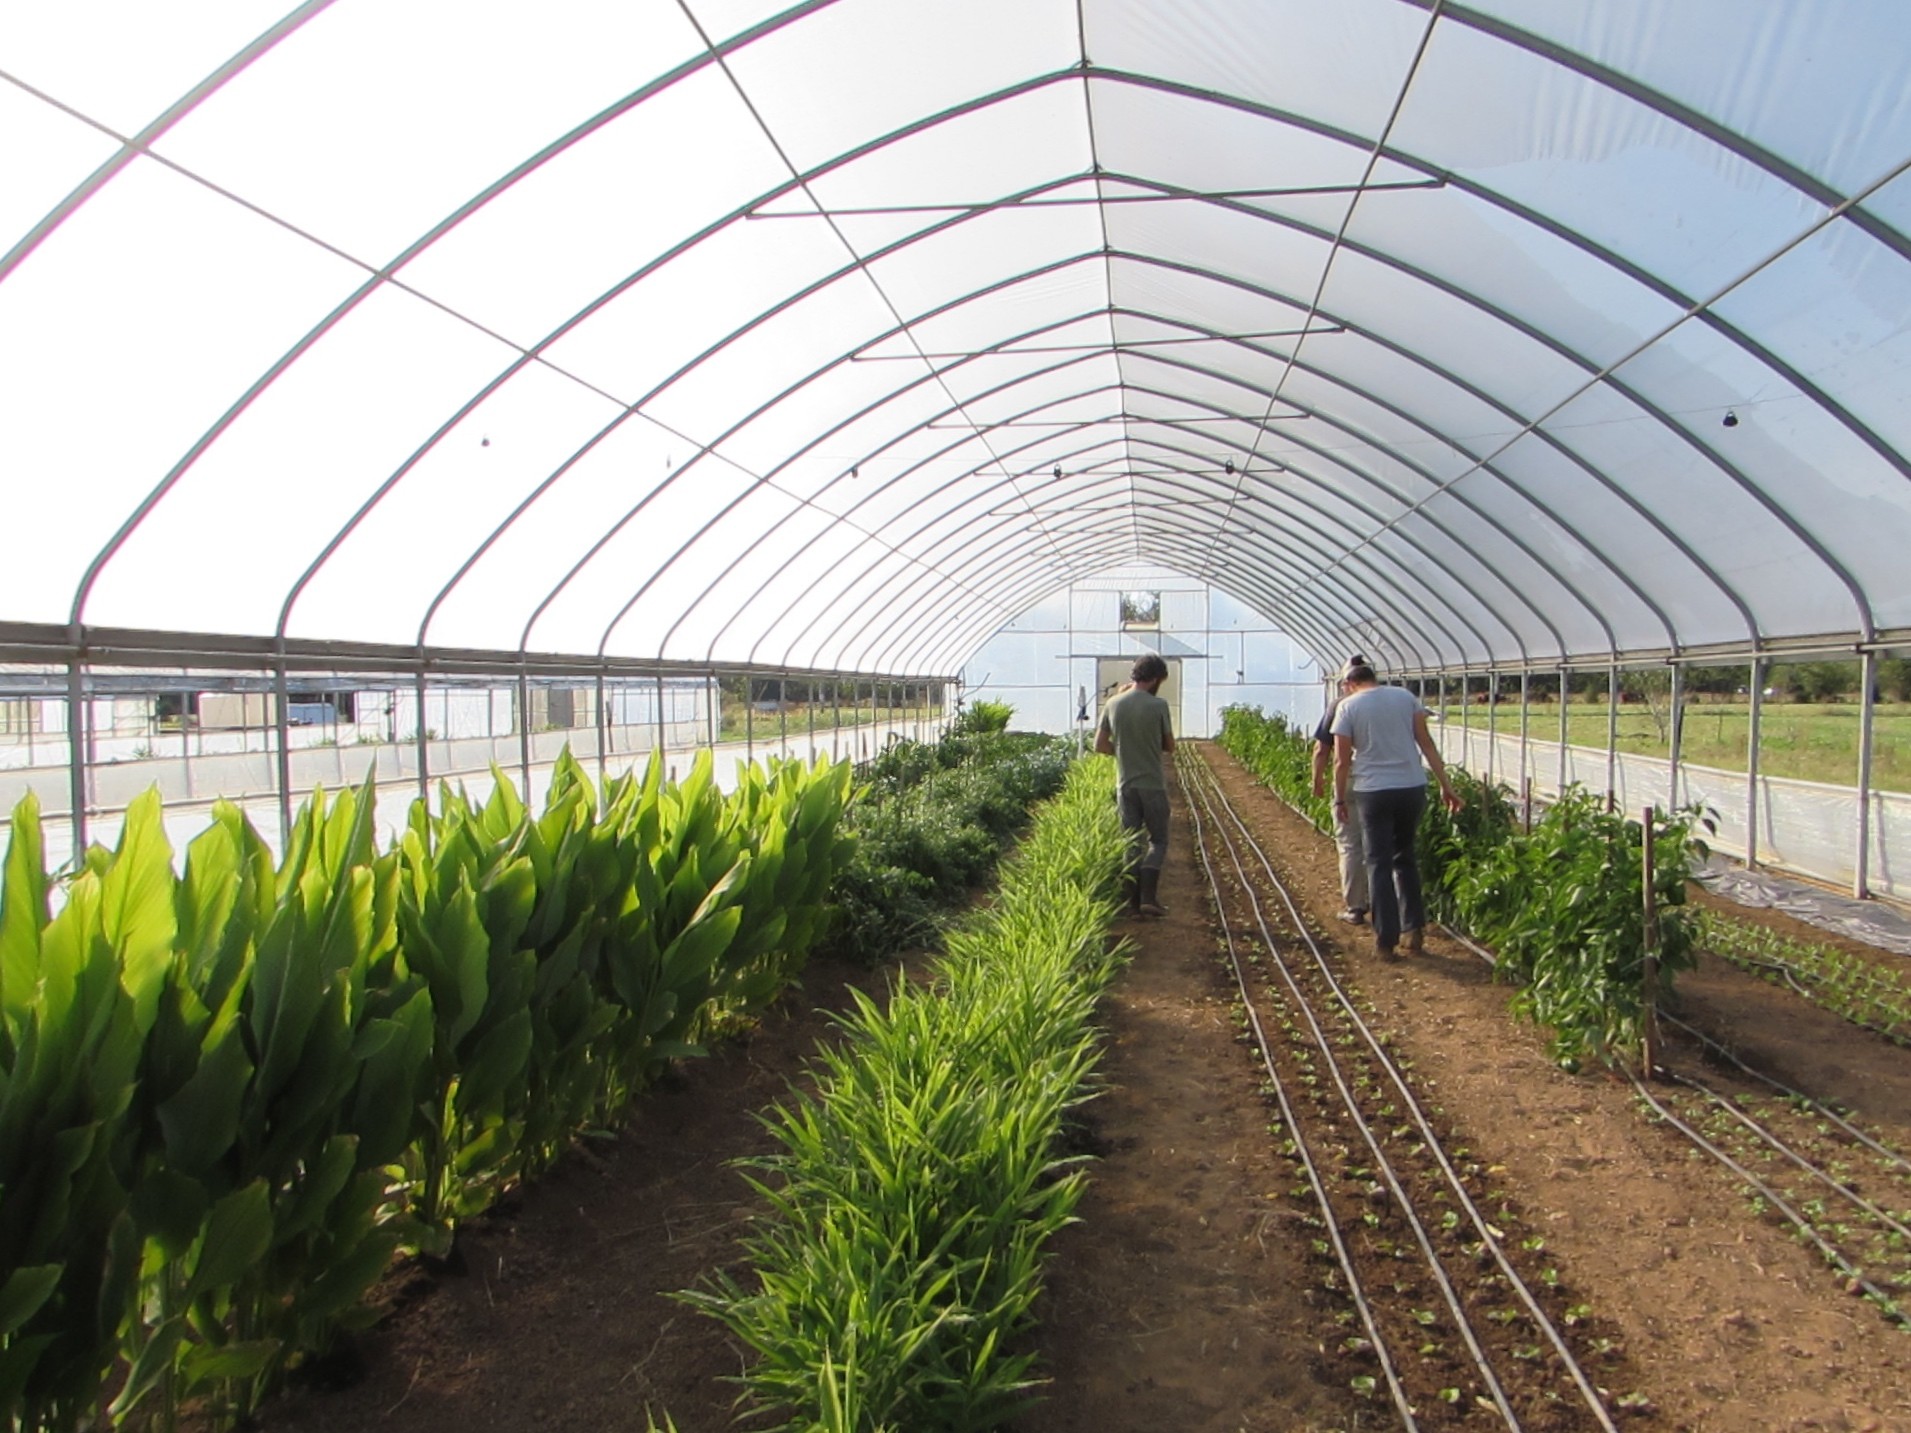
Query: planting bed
point(1187, 1297)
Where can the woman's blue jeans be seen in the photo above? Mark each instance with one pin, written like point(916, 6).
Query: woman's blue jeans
point(1389, 822)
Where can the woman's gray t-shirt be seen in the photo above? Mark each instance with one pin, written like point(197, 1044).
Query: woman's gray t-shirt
point(1379, 722)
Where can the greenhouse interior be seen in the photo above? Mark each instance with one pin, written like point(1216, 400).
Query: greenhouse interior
point(417, 413)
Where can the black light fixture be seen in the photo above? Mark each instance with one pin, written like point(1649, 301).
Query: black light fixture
point(1229, 467)
point(1058, 472)
point(854, 473)
point(1730, 420)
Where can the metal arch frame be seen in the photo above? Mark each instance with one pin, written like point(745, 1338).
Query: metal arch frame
point(1626, 268)
point(634, 409)
point(971, 536)
point(1584, 65)
point(1360, 505)
point(1479, 513)
point(1297, 614)
point(1366, 439)
point(1232, 379)
point(1625, 498)
point(385, 275)
point(142, 142)
point(864, 266)
point(1310, 627)
point(1087, 73)
point(1273, 556)
point(1492, 311)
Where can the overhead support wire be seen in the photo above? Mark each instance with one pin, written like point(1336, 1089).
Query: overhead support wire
point(1098, 201)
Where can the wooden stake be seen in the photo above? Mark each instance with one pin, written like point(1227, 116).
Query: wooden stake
point(1649, 1021)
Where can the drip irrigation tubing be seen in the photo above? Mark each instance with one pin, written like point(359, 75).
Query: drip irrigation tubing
point(1204, 788)
point(1885, 1301)
point(1354, 1289)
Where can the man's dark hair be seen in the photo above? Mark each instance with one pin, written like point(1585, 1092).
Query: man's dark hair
point(1149, 668)
point(1361, 673)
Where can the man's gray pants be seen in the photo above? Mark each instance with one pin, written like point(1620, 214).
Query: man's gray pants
point(1146, 811)
point(1353, 862)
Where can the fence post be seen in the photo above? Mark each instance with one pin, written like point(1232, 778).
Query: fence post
point(1649, 996)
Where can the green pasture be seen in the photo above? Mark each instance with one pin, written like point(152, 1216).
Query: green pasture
point(1811, 741)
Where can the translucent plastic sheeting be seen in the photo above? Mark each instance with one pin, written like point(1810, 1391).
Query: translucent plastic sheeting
point(418, 323)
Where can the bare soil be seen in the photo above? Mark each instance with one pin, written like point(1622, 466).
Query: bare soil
point(1182, 1299)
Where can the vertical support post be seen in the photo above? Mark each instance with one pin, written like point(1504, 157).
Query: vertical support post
point(422, 735)
point(836, 719)
point(1676, 732)
point(749, 719)
point(783, 714)
point(661, 739)
point(282, 767)
point(809, 717)
point(1612, 737)
point(1649, 967)
point(76, 744)
point(1565, 697)
point(1526, 804)
point(603, 738)
point(1492, 723)
point(1867, 714)
point(1526, 716)
point(1756, 691)
point(185, 739)
point(712, 701)
point(524, 729)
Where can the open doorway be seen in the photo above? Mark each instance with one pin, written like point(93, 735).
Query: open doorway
point(1111, 675)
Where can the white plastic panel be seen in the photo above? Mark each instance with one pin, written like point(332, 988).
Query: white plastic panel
point(1631, 179)
point(292, 470)
point(446, 97)
point(1786, 77)
point(859, 69)
point(48, 154)
point(125, 62)
point(761, 438)
point(570, 238)
point(118, 358)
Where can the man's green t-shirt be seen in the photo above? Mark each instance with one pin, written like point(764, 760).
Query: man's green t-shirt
point(1137, 721)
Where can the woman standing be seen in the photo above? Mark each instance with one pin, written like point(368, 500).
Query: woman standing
point(1380, 735)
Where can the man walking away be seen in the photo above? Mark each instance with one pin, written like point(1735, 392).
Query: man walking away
point(1353, 851)
point(1136, 731)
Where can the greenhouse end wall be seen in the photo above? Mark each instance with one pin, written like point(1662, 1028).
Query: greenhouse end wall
point(1055, 662)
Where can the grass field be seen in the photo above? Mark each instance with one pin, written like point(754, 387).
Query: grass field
point(766, 725)
point(1812, 742)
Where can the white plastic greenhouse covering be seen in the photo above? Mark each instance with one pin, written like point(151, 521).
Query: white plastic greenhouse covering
point(832, 336)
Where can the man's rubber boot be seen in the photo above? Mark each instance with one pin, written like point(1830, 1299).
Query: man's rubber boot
point(1150, 885)
point(1131, 892)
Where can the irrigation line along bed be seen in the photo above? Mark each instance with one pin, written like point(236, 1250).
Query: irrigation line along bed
point(1408, 1175)
point(1862, 1233)
point(1867, 1244)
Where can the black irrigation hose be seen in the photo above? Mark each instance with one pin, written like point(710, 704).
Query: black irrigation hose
point(1779, 1146)
point(1381, 1162)
point(1480, 1223)
point(1822, 1111)
point(1852, 1273)
point(1364, 1308)
point(1798, 1221)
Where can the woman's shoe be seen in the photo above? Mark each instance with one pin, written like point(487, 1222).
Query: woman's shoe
point(1384, 950)
point(1415, 940)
